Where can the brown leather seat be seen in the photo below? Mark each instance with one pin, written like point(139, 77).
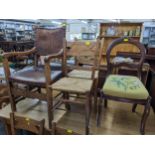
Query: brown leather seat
point(34, 76)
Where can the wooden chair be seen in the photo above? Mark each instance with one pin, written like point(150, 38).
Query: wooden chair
point(128, 89)
point(90, 55)
point(19, 122)
point(48, 43)
point(77, 85)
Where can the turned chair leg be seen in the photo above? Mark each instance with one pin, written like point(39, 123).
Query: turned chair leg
point(145, 116)
point(95, 96)
point(99, 111)
point(134, 107)
point(88, 113)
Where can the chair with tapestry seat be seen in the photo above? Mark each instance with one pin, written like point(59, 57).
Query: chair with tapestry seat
point(27, 124)
point(28, 82)
point(75, 87)
point(92, 58)
point(125, 88)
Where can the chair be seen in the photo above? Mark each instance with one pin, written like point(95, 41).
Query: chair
point(78, 86)
point(125, 88)
point(48, 43)
point(92, 58)
point(19, 122)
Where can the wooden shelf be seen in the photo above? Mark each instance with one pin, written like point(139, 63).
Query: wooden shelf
point(119, 36)
point(120, 28)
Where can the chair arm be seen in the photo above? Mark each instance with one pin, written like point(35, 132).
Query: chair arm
point(48, 58)
point(12, 54)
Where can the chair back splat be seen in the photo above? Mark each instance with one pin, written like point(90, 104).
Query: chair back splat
point(137, 65)
point(85, 54)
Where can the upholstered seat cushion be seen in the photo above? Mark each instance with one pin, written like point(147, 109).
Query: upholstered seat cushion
point(86, 74)
point(125, 86)
point(73, 85)
point(34, 76)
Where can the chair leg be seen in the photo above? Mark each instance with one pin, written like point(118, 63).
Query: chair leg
point(134, 107)
point(99, 111)
point(145, 116)
point(50, 107)
point(88, 113)
point(11, 97)
point(95, 96)
point(66, 96)
point(105, 103)
point(54, 128)
point(39, 90)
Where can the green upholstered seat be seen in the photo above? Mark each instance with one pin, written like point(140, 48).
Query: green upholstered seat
point(125, 87)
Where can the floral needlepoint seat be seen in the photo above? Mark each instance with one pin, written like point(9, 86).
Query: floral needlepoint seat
point(125, 86)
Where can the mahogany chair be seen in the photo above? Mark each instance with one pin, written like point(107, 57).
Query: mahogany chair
point(48, 43)
point(125, 88)
point(77, 86)
point(19, 122)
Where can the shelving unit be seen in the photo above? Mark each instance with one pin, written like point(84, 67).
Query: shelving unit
point(148, 35)
point(16, 30)
point(111, 31)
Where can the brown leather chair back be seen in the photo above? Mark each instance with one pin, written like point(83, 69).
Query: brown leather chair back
point(49, 41)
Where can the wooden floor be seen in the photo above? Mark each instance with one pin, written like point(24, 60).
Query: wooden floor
point(117, 119)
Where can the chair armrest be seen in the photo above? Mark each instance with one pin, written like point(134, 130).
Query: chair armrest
point(12, 54)
point(48, 58)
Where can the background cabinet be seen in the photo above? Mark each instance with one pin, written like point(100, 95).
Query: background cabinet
point(148, 35)
point(111, 31)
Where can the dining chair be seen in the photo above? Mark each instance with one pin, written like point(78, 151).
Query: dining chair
point(92, 58)
point(125, 88)
point(77, 86)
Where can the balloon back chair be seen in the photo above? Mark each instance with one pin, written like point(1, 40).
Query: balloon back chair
point(125, 88)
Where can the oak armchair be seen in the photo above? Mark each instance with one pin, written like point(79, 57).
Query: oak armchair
point(48, 43)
